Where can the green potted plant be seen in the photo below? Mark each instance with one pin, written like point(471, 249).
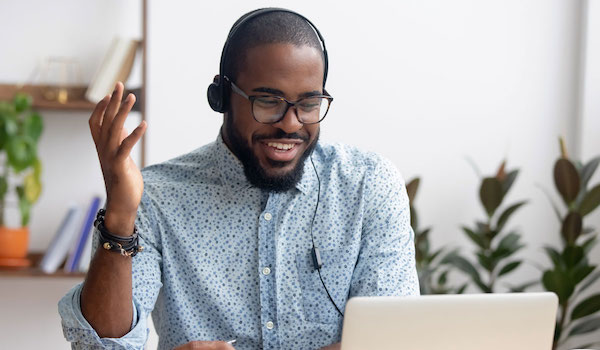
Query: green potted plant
point(494, 244)
point(571, 273)
point(432, 267)
point(20, 173)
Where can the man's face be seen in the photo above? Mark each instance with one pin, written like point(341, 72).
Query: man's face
point(282, 70)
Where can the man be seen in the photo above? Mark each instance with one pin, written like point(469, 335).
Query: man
point(259, 237)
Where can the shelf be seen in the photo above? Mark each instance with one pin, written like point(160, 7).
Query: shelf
point(76, 102)
point(34, 271)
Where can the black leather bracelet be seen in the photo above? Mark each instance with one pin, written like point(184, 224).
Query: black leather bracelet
point(126, 246)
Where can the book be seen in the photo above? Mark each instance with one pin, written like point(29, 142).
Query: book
point(84, 234)
point(116, 66)
point(86, 255)
point(61, 242)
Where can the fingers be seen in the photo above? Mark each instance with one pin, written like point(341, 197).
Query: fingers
point(111, 109)
point(95, 120)
point(130, 141)
point(114, 132)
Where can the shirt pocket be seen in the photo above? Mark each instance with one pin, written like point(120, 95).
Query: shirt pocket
point(336, 273)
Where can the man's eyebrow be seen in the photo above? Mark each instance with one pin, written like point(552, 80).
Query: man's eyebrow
point(277, 92)
point(269, 90)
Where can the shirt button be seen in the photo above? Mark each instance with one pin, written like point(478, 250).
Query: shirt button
point(266, 271)
point(270, 325)
point(268, 216)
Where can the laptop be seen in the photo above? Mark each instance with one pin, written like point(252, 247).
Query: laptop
point(517, 321)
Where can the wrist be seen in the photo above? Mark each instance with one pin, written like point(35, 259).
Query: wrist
point(119, 223)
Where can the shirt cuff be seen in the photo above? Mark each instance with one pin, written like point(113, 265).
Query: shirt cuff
point(80, 333)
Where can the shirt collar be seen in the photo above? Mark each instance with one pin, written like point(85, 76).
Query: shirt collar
point(232, 170)
point(230, 167)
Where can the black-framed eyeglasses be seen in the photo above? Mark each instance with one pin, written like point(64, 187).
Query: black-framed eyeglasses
point(268, 109)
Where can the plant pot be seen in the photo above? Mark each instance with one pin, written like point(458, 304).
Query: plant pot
point(13, 245)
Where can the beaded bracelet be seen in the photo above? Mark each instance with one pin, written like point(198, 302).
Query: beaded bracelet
point(126, 246)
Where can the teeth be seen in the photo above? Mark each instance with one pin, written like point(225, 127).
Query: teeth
point(281, 146)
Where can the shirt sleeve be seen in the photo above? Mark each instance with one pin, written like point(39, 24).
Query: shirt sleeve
point(146, 283)
point(386, 261)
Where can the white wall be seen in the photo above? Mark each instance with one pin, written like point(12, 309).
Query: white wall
point(457, 78)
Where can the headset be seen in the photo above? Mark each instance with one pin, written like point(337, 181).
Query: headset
point(218, 92)
point(218, 98)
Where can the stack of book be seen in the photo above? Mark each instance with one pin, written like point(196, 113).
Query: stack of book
point(116, 66)
point(73, 240)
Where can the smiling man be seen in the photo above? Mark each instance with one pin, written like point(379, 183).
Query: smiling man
point(254, 241)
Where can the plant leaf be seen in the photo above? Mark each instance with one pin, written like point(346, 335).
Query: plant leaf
point(488, 263)
point(558, 281)
point(571, 227)
point(509, 267)
point(587, 307)
point(591, 201)
point(25, 209)
point(572, 255)
point(588, 245)
point(22, 102)
point(443, 278)
point(566, 179)
point(465, 266)
point(37, 168)
point(555, 256)
point(461, 289)
point(3, 186)
point(21, 152)
point(33, 188)
point(588, 170)
point(8, 128)
point(521, 288)
point(509, 180)
point(478, 239)
point(491, 194)
point(580, 272)
point(414, 219)
point(435, 254)
point(585, 326)
point(33, 126)
point(411, 188)
point(589, 281)
point(507, 213)
point(510, 243)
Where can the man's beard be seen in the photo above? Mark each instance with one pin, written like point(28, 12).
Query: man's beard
point(255, 174)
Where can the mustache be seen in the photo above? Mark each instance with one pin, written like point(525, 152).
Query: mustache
point(281, 135)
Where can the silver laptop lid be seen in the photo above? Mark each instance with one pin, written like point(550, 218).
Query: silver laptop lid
point(517, 321)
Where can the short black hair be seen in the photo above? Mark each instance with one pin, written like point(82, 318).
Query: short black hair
point(268, 28)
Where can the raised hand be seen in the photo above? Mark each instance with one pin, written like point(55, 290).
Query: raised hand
point(122, 178)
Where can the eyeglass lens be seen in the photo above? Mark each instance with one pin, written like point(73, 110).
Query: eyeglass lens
point(309, 110)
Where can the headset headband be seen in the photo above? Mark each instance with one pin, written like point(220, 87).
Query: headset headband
point(259, 12)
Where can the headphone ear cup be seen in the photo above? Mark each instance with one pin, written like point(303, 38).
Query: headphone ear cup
point(215, 100)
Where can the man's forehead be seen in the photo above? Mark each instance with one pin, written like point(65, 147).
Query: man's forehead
point(282, 66)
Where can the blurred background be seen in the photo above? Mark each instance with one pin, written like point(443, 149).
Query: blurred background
point(436, 86)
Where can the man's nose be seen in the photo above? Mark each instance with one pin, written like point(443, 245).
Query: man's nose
point(290, 123)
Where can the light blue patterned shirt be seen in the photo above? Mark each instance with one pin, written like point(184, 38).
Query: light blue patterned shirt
point(225, 260)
